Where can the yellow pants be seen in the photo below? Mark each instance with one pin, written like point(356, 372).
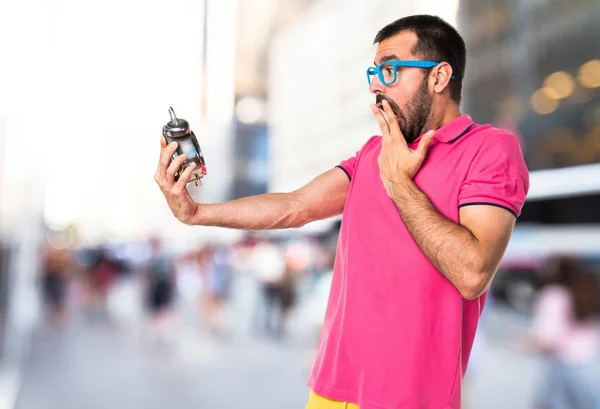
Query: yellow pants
point(319, 402)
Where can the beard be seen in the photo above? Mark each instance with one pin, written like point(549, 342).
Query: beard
point(414, 117)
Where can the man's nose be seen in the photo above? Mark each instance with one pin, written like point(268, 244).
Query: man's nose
point(376, 87)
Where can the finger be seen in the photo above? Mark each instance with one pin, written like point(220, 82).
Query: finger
point(179, 187)
point(166, 153)
point(163, 143)
point(395, 131)
point(173, 168)
point(425, 142)
point(383, 125)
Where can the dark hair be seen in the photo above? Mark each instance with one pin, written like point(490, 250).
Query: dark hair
point(437, 41)
point(583, 285)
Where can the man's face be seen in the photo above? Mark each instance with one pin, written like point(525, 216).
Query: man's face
point(409, 96)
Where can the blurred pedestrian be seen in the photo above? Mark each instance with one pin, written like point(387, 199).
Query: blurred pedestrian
point(160, 288)
point(268, 266)
point(566, 330)
point(316, 303)
point(101, 276)
point(189, 282)
point(56, 273)
point(217, 278)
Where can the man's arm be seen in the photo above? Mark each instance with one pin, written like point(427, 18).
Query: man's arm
point(321, 198)
point(467, 254)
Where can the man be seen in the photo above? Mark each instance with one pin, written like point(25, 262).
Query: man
point(428, 210)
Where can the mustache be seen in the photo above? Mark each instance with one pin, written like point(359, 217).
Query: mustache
point(379, 98)
point(395, 108)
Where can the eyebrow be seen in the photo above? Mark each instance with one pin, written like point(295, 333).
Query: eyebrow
point(387, 58)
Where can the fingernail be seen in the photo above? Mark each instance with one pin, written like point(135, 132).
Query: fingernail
point(384, 103)
point(173, 144)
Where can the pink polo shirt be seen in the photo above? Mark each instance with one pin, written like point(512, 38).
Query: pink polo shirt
point(397, 334)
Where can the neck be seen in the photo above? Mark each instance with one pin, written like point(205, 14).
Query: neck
point(440, 118)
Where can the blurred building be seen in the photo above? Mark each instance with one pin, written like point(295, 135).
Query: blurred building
point(535, 67)
point(20, 241)
point(4, 273)
point(252, 160)
point(258, 22)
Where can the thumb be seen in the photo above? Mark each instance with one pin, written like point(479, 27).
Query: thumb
point(425, 142)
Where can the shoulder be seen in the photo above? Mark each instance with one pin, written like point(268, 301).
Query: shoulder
point(497, 154)
point(373, 142)
point(496, 145)
point(487, 137)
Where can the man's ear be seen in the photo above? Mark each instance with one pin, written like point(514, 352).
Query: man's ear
point(442, 75)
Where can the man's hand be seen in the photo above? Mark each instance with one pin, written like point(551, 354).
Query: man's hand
point(182, 205)
point(397, 161)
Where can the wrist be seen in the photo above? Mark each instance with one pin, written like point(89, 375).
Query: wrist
point(197, 216)
point(397, 186)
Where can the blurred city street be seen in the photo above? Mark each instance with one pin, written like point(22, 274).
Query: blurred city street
point(98, 362)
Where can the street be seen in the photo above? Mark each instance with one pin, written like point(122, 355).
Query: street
point(99, 362)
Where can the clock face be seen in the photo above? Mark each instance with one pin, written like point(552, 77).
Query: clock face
point(186, 146)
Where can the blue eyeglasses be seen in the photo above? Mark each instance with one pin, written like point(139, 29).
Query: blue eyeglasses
point(388, 70)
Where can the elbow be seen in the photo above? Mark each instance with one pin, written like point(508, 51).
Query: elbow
point(475, 286)
point(303, 217)
point(299, 213)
